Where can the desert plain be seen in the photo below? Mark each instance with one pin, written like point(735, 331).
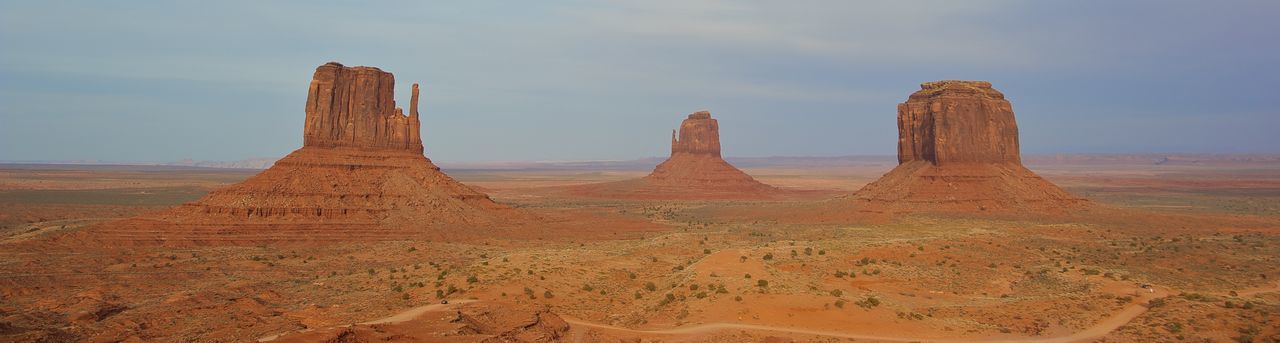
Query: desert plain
point(1199, 230)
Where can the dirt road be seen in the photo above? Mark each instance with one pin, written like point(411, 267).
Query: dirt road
point(1098, 330)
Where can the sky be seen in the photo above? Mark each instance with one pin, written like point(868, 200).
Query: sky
point(598, 80)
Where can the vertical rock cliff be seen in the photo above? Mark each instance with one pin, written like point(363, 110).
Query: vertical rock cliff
point(957, 122)
point(699, 134)
point(354, 107)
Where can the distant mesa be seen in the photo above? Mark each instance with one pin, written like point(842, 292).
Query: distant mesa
point(695, 170)
point(958, 152)
point(360, 174)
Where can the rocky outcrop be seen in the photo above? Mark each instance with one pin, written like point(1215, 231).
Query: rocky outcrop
point(958, 152)
point(354, 107)
point(699, 134)
point(359, 175)
point(957, 122)
point(695, 170)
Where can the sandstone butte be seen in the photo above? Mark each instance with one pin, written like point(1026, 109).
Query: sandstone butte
point(958, 152)
point(360, 174)
point(695, 170)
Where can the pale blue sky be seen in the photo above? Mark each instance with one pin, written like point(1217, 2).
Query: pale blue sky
point(576, 80)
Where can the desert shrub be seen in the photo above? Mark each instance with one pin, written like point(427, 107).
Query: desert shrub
point(822, 252)
point(1173, 327)
point(808, 251)
point(841, 273)
point(667, 300)
point(1157, 302)
point(836, 293)
point(587, 288)
point(547, 294)
point(768, 257)
point(701, 295)
point(840, 303)
point(746, 276)
point(762, 283)
point(737, 298)
point(869, 302)
point(1196, 297)
point(631, 275)
point(412, 249)
point(649, 286)
point(638, 295)
point(472, 279)
point(529, 292)
point(693, 287)
point(706, 251)
point(404, 296)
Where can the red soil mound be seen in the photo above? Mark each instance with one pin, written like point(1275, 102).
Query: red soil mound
point(958, 152)
point(695, 171)
point(359, 175)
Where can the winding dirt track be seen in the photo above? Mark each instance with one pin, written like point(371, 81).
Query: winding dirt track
point(1098, 330)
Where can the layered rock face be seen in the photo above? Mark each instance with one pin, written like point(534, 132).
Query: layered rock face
point(958, 152)
point(359, 175)
point(695, 170)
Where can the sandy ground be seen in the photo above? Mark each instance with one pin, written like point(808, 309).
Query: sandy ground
point(1206, 236)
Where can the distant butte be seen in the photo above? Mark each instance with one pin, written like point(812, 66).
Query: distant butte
point(695, 170)
point(360, 174)
point(958, 152)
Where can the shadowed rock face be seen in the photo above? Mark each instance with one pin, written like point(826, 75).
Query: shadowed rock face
point(353, 107)
point(957, 122)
